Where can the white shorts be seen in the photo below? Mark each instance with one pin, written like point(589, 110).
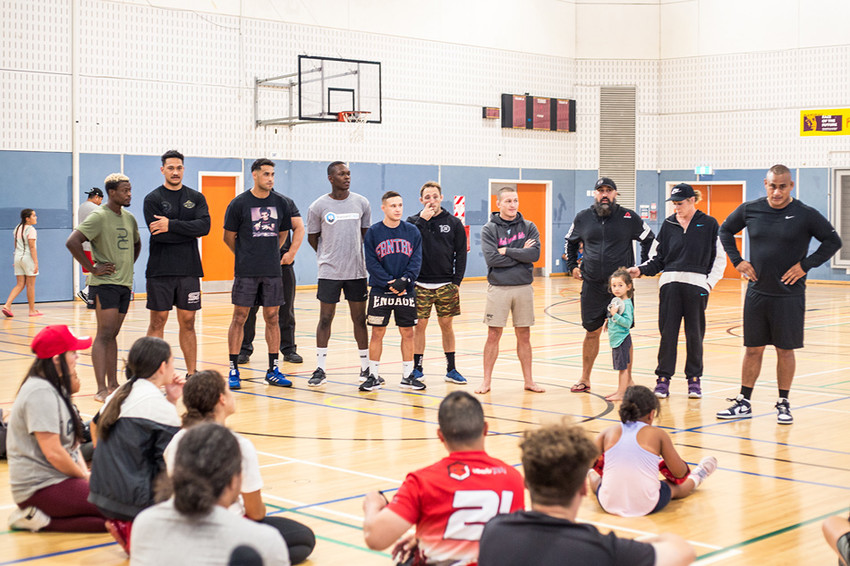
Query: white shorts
point(24, 265)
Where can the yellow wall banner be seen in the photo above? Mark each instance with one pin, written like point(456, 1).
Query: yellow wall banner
point(833, 122)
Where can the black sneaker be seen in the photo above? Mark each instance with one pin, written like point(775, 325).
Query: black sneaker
point(371, 384)
point(293, 358)
point(318, 379)
point(411, 382)
point(364, 375)
point(82, 295)
point(243, 359)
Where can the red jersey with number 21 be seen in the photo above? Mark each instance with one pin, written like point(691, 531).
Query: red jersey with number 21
point(451, 501)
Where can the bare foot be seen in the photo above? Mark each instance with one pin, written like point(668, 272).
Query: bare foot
point(482, 389)
point(101, 396)
point(534, 388)
point(616, 396)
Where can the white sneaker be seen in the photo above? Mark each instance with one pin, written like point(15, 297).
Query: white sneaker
point(704, 469)
point(28, 519)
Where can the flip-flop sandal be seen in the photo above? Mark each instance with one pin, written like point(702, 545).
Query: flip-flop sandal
point(580, 388)
point(8, 313)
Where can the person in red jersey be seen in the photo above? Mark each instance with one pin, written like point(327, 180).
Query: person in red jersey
point(450, 501)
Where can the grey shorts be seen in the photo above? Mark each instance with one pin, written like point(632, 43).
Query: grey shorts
point(843, 545)
point(516, 300)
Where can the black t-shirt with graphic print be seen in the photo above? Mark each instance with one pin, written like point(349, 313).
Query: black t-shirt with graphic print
point(257, 223)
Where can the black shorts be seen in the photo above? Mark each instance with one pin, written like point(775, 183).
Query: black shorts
point(182, 292)
point(262, 291)
point(778, 321)
point(382, 304)
point(110, 297)
point(594, 304)
point(622, 354)
point(354, 290)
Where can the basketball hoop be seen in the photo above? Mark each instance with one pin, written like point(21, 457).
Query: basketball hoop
point(356, 117)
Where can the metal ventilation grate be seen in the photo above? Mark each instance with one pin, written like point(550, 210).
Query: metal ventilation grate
point(617, 140)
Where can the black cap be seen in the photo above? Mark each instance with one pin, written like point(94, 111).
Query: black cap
point(95, 192)
point(605, 182)
point(681, 192)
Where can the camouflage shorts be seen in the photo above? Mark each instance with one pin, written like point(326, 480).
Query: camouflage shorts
point(446, 300)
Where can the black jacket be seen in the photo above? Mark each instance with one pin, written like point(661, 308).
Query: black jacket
point(684, 254)
point(443, 248)
point(607, 242)
point(175, 253)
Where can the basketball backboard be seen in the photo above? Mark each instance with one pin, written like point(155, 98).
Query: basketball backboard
point(321, 89)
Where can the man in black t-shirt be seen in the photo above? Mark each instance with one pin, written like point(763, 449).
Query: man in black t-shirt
point(176, 216)
point(555, 462)
point(256, 225)
point(780, 229)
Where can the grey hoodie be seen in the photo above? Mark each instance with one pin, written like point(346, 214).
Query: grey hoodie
point(515, 267)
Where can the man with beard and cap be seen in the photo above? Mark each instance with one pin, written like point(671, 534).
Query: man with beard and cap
point(607, 230)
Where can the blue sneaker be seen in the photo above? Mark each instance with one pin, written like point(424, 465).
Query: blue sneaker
point(454, 376)
point(233, 380)
point(274, 377)
point(417, 374)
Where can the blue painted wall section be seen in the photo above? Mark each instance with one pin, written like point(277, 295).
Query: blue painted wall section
point(49, 193)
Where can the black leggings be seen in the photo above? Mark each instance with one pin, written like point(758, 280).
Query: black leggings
point(299, 538)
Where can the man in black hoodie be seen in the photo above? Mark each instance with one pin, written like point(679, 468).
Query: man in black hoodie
point(511, 245)
point(443, 266)
point(607, 231)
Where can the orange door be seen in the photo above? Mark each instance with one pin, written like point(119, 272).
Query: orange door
point(532, 206)
point(217, 258)
point(719, 201)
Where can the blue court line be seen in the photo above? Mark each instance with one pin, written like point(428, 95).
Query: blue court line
point(60, 553)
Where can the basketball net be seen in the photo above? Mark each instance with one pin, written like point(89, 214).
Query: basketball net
point(357, 119)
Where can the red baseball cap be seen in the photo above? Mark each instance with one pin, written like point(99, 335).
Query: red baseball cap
point(57, 339)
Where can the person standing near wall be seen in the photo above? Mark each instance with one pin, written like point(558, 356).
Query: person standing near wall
point(689, 253)
point(607, 231)
point(336, 224)
point(286, 313)
point(95, 199)
point(26, 262)
point(114, 236)
point(393, 259)
point(176, 216)
point(256, 224)
point(443, 266)
point(511, 245)
point(780, 229)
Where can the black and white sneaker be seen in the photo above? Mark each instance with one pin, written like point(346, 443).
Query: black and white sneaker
point(411, 382)
point(364, 375)
point(28, 519)
point(372, 383)
point(318, 379)
point(741, 409)
point(783, 412)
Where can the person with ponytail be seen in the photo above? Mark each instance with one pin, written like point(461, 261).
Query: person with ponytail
point(26, 262)
point(208, 398)
point(625, 478)
point(47, 473)
point(133, 428)
point(194, 525)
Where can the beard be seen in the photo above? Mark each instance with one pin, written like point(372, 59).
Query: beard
point(604, 208)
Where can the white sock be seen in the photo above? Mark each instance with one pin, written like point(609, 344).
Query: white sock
point(364, 359)
point(406, 368)
point(321, 358)
point(373, 367)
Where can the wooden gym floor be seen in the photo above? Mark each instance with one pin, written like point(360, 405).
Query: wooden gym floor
point(321, 450)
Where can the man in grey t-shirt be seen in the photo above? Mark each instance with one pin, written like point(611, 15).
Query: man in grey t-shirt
point(336, 223)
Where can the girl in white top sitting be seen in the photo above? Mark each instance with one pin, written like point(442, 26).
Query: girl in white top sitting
point(208, 398)
point(633, 452)
point(26, 262)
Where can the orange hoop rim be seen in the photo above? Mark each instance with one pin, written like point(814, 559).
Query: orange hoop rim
point(353, 116)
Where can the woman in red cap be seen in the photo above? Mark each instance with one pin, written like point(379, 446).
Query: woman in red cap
point(47, 473)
